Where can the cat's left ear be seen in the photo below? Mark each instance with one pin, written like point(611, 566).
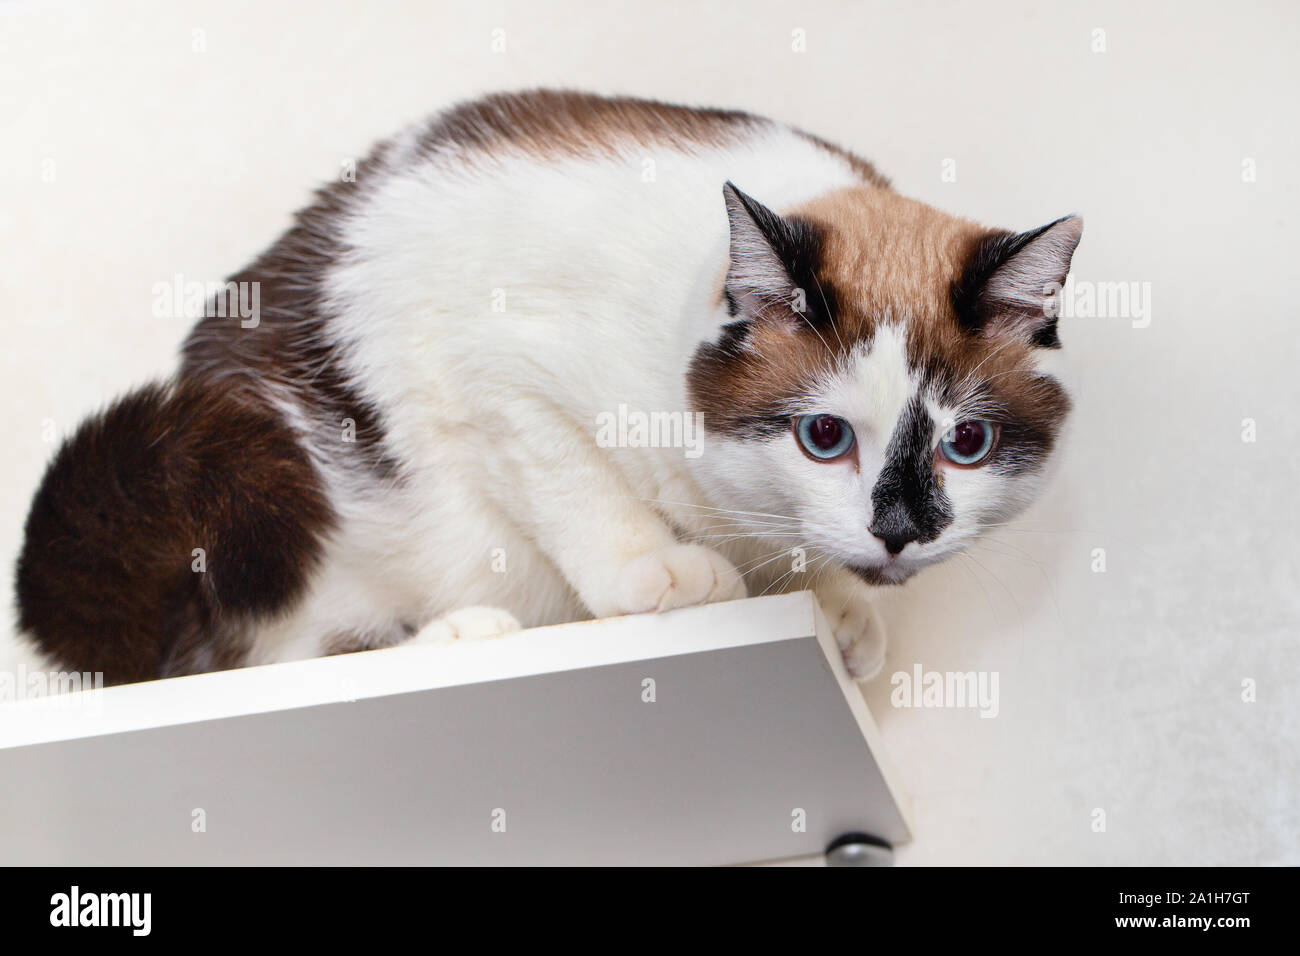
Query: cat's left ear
point(767, 252)
point(1012, 282)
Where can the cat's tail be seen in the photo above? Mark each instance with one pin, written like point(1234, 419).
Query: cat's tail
point(163, 528)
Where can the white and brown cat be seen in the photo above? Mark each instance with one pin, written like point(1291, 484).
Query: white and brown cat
point(404, 445)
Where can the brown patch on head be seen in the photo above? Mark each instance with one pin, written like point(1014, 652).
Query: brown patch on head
point(745, 383)
point(888, 256)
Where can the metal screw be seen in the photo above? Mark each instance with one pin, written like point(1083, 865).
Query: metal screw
point(858, 849)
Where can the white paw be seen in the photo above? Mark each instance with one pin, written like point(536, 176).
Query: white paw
point(677, 576)
point(467, 624)
point(860, 634)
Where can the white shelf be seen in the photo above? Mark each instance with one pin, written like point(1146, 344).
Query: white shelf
point(405, 755)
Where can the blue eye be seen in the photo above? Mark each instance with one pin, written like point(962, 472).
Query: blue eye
point(967, 443)
point(823, 437)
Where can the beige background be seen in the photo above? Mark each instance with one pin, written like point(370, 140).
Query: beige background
point(126, 156)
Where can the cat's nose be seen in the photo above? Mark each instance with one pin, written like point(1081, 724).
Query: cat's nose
point(895, 543)
point(895, 531)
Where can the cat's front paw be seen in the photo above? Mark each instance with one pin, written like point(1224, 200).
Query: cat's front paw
point(679, 575)
point(859, 632)
point(467, 624)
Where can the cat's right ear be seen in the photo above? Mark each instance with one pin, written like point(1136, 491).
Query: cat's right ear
point(1008, 284)
point(766, 251)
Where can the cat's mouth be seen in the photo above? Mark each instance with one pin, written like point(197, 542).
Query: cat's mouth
point(893, 572)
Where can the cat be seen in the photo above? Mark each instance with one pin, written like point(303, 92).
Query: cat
point(411, 439)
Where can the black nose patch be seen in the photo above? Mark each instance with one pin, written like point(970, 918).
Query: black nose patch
point(907, 502)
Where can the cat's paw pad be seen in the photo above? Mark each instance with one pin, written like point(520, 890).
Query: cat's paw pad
point(680, 575)
point(467, 624)
point(860, 634)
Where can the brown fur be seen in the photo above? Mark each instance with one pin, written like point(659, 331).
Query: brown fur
point(888, 255)
point(549, 123)
point(106, 580)
point(745, 388)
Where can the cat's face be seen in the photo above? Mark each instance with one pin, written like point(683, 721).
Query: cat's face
point(884, 387)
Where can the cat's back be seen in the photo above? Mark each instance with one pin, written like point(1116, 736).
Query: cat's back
point(546, 218)
point(554, 125)
point(533, 191)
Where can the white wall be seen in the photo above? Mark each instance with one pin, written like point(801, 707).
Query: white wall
point(1119, 690)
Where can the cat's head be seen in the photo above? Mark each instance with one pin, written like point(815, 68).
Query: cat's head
point(884, 380)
